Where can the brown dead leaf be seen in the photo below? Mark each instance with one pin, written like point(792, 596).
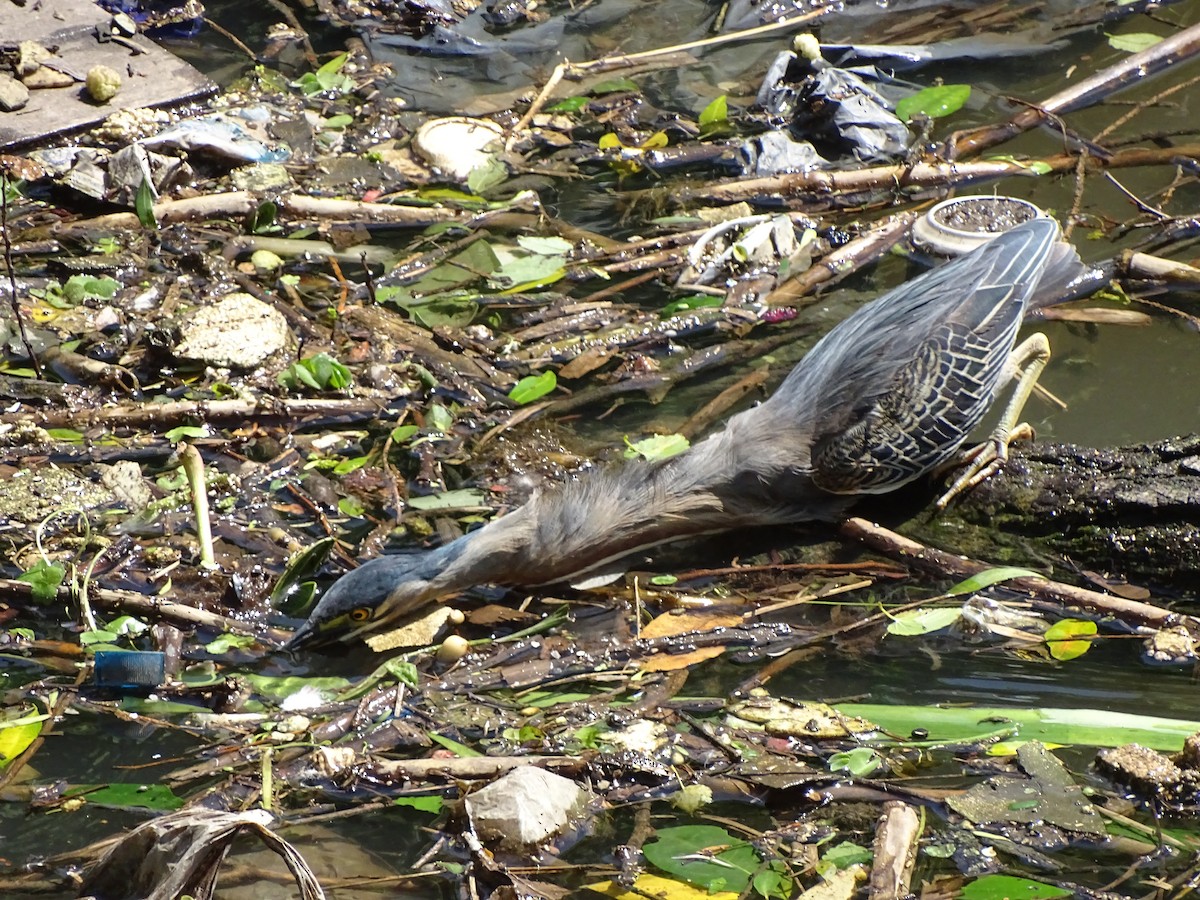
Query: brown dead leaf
point(679, 622)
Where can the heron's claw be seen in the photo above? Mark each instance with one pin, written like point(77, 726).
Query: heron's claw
point(982, 461)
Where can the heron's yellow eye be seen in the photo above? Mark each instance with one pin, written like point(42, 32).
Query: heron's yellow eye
point(360, 614)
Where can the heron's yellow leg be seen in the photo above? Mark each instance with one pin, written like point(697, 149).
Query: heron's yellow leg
point(1027, 360)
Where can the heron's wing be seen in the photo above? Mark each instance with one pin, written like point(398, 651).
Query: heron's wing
point(895, 389)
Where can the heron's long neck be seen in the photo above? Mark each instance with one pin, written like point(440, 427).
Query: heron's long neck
point(731, 480)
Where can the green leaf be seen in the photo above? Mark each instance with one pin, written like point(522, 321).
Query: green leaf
point(861, 762)
point(1132, 43)
point(457, 312)
point(262, 220)
point(658, 447)
point(487, 175)
point(301, 566)
point(128, 796)
point(545, 246)
point(570, 104)
point(914, 622)
point(421, 804)
point(396, 670)
point(86, 287)
point(44, 578)
point(847, 854)
point(715, 113)
point(531, 387)
point(1010, 887)
point(697, 301)
point(15, 738)
point(319, 372)
point(1087, 727)
point(663, 580)
point(127, 625)
point(934, 102)
point(464, 497)
point(143, 205)
point(402, 433)
point(179, 433)
point(439, 419)
point(612, 86)
point(282, 687)
point(453, 746)
point(223, 643)
point(67, 435)
point(1069, 638)
point(351, 507)
point(989, 577)
point(707, 856)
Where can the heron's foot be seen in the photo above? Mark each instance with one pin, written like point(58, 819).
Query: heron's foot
point(983, 460)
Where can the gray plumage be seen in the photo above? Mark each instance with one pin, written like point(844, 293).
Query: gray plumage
point(889, 394)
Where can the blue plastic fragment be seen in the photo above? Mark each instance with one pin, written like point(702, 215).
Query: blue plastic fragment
point(129, 668)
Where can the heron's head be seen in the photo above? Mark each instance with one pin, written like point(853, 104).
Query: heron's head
point(368, 599)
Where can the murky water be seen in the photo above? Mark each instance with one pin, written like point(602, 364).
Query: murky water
point(1122, 384)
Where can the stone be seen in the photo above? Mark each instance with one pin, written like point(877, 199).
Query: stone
point(13, 94)
point(238, 331)
point(524, 807)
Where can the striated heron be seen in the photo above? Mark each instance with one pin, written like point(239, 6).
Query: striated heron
point(887, 396)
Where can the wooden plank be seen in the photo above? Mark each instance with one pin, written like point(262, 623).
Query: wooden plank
point(153, 77)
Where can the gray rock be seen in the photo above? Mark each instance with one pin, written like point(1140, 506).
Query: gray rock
point(526, 806)
point(237, 331)
point(13, 94)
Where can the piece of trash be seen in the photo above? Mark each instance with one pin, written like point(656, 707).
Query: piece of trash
point(129, 669)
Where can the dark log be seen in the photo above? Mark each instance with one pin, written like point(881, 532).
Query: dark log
point(1131, 512)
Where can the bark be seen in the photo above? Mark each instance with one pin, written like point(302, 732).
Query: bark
point(1131, 512)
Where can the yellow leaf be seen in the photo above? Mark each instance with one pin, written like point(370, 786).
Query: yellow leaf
point(657, 886)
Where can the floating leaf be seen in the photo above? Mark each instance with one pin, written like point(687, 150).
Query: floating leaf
point(987, 578)
point(454, 746)
point(571, 104)
point(914, 622)
point(650, 885)
point(282, 687)
point(658, 447)
point(709, 857)
point(223, 643)
point(421, 804)
point(1069, 638)
point(860, 762)
point(464, 497)
point(128, 796)
point(1132, 43)
point(934, 102)
point(697, 301)
point(487, 175)
point(847, 853)
point(612, 86)
point(531, 387)
point(1005, 887)
point(15, 737)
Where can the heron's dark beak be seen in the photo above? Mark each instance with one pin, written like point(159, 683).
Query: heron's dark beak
point(305, 634)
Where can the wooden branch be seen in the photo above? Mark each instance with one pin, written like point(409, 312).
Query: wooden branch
point(824, 190)
point(951, 565)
